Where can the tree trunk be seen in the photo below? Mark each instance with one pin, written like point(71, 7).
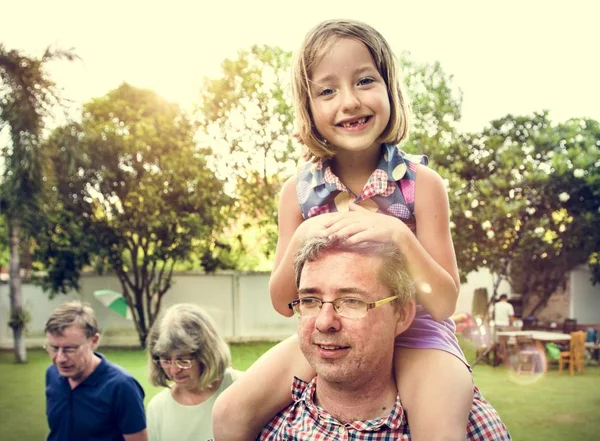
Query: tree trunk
point(17, 322)
point(541, 304)
point(142, 334)
point(479, 306)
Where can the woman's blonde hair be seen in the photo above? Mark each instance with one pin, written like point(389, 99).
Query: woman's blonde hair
point(316, 43)
point(187, 329)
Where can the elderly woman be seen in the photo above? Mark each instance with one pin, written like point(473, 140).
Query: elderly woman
point(190, 359)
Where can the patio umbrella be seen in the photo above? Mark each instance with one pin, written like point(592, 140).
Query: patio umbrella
point(115, 301)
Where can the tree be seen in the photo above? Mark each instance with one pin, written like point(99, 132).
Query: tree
point(132, 190)
point(530, 204)
point(247, 116)
point(436, 107)
point(27, 96)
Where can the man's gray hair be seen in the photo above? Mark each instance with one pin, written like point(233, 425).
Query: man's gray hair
point(70, 314)
point(393, 273)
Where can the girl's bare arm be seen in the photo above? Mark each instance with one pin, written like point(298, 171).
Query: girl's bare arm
point(282, 286)
point(293, 230)
point(431, 255)
point(245, 407)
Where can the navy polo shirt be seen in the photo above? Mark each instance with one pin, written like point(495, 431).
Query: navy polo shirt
point(106, 405)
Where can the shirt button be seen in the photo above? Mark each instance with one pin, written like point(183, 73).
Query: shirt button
point(342, 430)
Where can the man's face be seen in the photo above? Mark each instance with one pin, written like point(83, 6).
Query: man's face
point(345, 350)
point(71, 352)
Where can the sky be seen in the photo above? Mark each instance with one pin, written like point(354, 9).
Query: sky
point(511, 56)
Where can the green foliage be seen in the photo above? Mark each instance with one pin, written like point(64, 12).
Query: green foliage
point(529, 204)
point(19, 319)
point(4, 245)
point(131, 189)
point(436, 110)
point(27, 96)
point(247, 118)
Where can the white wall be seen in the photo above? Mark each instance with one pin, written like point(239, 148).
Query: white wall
point(585, 297)
point(239, 303)
point(256, 315)
point(475, 280)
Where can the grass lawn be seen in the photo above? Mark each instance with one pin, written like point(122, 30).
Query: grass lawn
point(548, 407)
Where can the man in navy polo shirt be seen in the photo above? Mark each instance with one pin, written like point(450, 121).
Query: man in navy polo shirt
point(87, 397)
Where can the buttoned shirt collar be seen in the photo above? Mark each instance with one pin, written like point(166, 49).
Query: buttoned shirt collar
point(303, 393)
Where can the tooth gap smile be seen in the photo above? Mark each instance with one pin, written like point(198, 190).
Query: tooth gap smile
point(355, 122)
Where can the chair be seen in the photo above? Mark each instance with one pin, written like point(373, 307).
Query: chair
point(575, 356)
point(529, 356)
point(501, 351)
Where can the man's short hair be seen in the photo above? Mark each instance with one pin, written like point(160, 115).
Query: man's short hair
point(186, 328)
point(503, 297)
point(69, 314)
point(393, 272)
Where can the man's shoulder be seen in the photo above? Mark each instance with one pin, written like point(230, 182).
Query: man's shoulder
point(484, 422)
point(52, 374)
point(113, 376)
point(505, 306)
point(115, 372)
point(276, 429)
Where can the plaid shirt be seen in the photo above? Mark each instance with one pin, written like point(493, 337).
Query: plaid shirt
point(304, 420)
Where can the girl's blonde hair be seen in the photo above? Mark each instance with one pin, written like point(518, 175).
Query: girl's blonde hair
point(316, 43)
point(185, 328)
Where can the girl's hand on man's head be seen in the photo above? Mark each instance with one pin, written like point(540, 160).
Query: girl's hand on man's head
point(360, 224)
point(317, 226)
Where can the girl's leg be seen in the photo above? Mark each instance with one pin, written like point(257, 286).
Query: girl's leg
point(245, 407)
point(436, 390)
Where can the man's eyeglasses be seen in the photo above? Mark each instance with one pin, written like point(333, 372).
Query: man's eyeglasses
point(347, 307)
point(67, 351)
point(181, 363)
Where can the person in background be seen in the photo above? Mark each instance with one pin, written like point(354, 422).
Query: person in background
point(192, 362)
point(504, 313)
point(88, 397)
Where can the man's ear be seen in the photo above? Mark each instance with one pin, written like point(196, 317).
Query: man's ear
point(95, 340)
point(406, 315)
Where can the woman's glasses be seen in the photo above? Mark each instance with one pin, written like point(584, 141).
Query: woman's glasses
point(181, 363)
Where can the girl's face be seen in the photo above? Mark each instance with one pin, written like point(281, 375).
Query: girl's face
point(349, 98)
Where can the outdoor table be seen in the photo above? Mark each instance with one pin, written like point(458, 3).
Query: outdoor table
point(540, 338)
